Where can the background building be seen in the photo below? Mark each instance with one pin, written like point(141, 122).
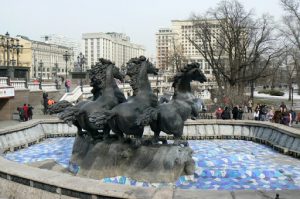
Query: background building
point(61, 40)
point(47, 60)
point(114, 46)
point(15, 57)
point(174, 49)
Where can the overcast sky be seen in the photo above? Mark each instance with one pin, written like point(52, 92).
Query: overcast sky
point(139, 19)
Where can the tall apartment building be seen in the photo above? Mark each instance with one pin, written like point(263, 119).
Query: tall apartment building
point(47, 59)
point(175, 40)
point(114, 46)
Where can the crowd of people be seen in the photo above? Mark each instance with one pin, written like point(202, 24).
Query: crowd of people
point(261, 112)
point(25, 112)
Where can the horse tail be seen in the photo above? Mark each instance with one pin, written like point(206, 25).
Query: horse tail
point(101, 118)
point(149, 114)
point(68, 115)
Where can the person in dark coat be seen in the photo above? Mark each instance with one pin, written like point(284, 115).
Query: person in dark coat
point(45, 100)
point(240, 113)
point(226, 114)
point(30, 112)
point(235, 112)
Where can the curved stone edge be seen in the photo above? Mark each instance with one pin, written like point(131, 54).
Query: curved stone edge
point(27, 133)
point(17, 179)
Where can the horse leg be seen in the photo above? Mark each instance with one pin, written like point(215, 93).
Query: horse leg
point(177, 139)
point(79, 129)
point(138, 138)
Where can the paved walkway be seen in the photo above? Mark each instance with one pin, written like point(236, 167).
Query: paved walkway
point(7, 123)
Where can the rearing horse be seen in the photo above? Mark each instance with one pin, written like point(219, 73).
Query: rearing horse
point(109, 97)
point(130, 117)
point(171, 115)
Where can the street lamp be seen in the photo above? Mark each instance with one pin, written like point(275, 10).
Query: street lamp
point(157, 90)
point(81, 61)
point(56, 68)
point(8, 44)
point(66, 58)
point(41, 74)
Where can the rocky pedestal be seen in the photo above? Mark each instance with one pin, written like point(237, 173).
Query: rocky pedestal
point(153, 163)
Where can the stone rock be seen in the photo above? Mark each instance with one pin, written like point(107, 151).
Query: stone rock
point(152, 163)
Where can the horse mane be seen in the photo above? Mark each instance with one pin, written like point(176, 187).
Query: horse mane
point(133, 70)
point(182, 73)
point(98, 75)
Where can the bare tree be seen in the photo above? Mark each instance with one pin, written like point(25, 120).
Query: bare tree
point(238, 47)
point(291, 31)
point(176, 57)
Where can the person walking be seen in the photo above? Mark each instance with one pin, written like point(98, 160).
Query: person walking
point(30, 112)
point(25, 108)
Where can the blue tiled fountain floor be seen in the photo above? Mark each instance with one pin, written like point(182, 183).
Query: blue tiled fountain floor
point(220, 165)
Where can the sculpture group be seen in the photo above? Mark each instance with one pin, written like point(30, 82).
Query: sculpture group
point(110, 110)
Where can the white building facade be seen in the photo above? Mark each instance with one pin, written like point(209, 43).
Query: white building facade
point(113, 46)
point(47, 60)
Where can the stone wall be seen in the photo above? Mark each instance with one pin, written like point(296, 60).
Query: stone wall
point(8, 106)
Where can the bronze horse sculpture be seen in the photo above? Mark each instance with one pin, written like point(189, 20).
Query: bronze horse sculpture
point(106, 95)
point(130, 117)
point(110, 96)
point(171, 116)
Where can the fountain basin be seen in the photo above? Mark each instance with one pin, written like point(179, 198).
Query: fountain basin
point(16, 177)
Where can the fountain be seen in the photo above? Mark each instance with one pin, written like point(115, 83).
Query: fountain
point(117, 150)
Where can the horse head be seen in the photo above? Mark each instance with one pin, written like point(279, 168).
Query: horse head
point(151, 69)
point(117, 73)
point(195, 73)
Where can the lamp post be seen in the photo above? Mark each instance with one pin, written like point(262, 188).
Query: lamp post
point(56, 68)
point(292, 96)
point(41, 74)
point(81, 61)
point(66, 58)
point(9, 45)
point(157, 89)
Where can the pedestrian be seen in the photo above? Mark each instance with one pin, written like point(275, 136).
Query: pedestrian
point(256, 114)
point(218, 113)
point(45, 102)
point(293, 116)
point(282, 107)
point(270, 114)
point(240, 113)
point(68, 85)
point(263, 112)
point(25, 108)
point(30, 112)
point(21, 114)
point(286, 117)
point(226, 114)
point(298, 118)
point(235, 112)
point(250, 105)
